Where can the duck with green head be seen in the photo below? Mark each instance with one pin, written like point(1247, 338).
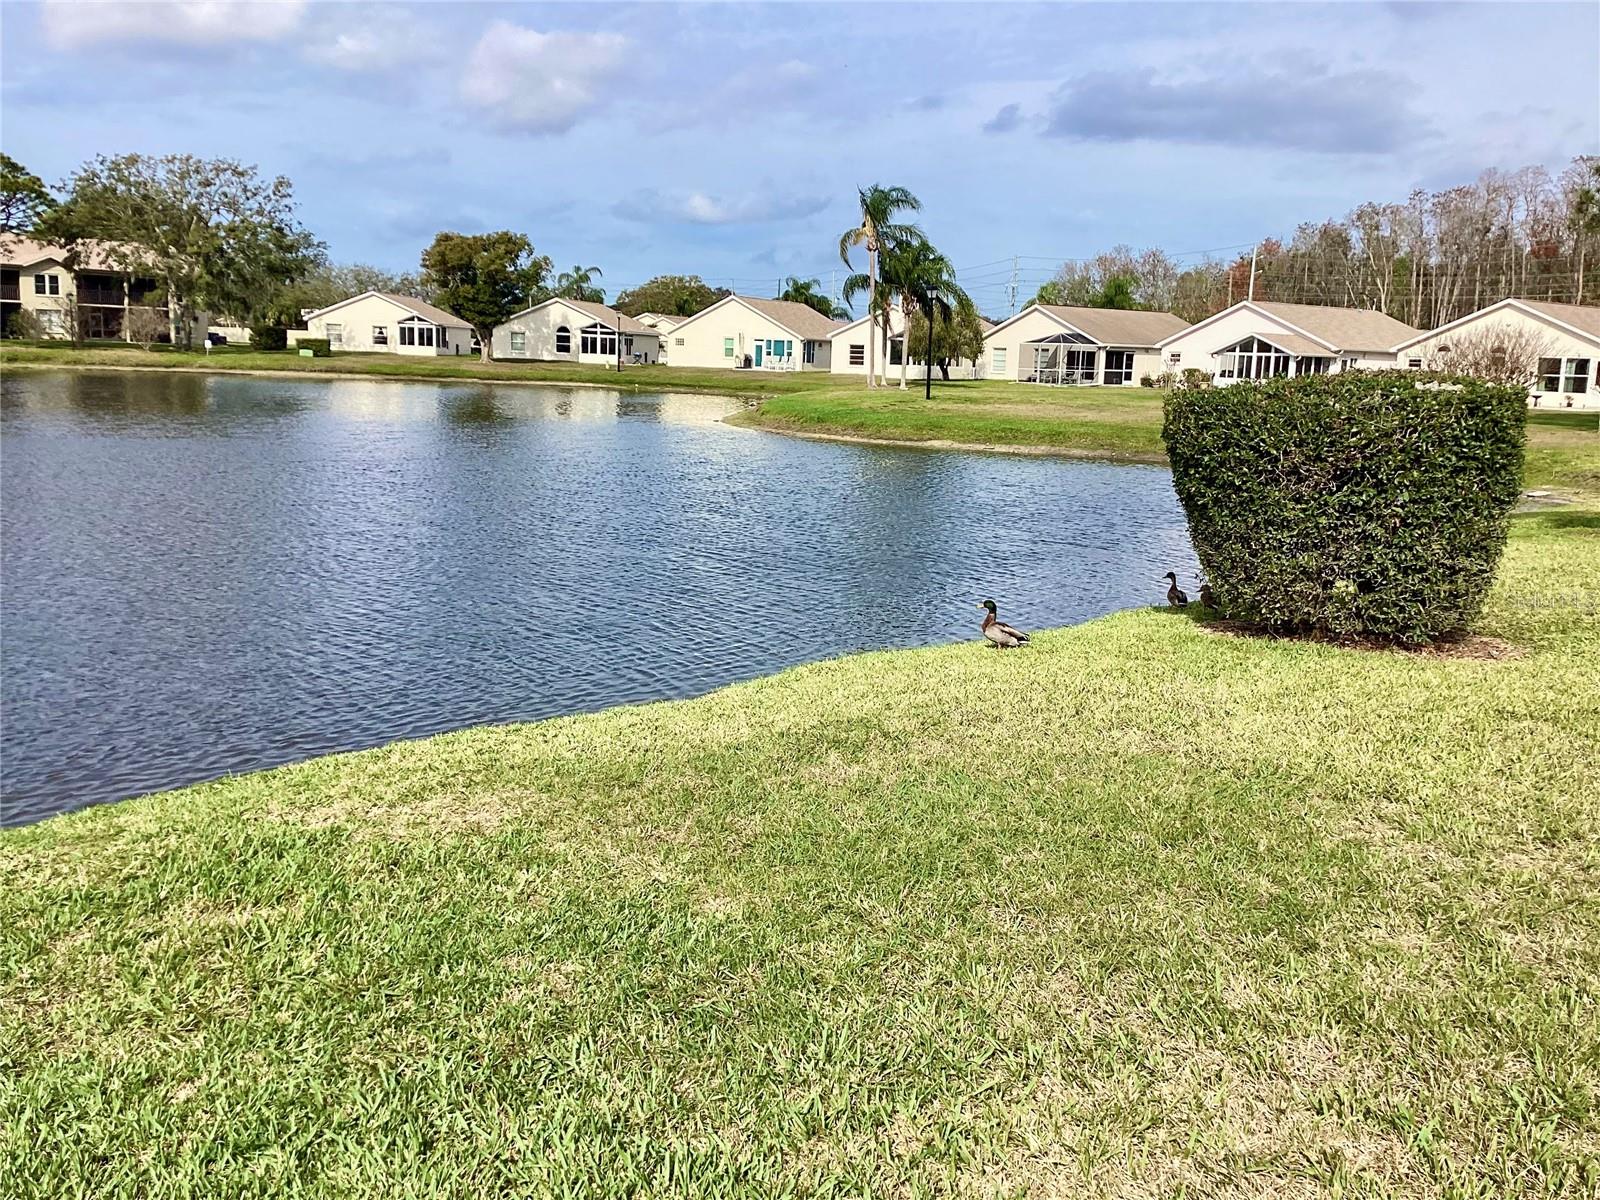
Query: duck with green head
point(1000, 635)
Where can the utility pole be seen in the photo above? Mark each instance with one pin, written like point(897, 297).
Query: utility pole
point(1011, 288)
point(1252, 295)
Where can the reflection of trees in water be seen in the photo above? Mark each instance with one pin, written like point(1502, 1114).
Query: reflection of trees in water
point(474, 406)
point(212, 403)
point(136, 393)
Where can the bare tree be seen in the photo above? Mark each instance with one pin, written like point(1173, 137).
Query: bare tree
point(144, 325)
point(1502, 353)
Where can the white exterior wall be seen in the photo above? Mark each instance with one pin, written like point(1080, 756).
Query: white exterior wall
point(1010, 339)
point(1553, 341)
point(539, 326)
point(701, 341)
point(1197, 348)
point(856, 334)
point(1014, 340)
point(359, 319)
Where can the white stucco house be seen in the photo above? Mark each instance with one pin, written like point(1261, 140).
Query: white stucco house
point(1562, 340)
point(1058, 343)
point(582, 331)
point(384, 323)
point(746, 333)
point(849, 353)
point(1258, 339)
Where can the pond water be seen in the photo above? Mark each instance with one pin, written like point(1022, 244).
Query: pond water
point(205, 575)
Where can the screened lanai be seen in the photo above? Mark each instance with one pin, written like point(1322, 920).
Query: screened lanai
point(1064, 359)
point(1285, 354)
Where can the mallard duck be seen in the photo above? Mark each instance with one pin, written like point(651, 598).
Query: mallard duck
point(1001, 636)
point(1176, 596)
point(1207, 596)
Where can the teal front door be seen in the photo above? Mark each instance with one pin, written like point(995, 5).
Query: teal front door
point(758, 354)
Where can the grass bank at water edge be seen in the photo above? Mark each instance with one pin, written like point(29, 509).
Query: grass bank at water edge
point(1111, 423)
point(1139, 910)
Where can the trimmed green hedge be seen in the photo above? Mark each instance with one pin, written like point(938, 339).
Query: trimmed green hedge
point(319, 347)
point(1366, 503)
point(268, 337)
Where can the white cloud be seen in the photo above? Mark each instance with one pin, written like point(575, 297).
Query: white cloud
point(536, 82)
point(702, 208)
point(382, 46)
point(72, 23)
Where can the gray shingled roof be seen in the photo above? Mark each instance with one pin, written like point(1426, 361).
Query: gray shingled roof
point(1580, 316)
point(1119, 326)
point(610, 316)
point(801, 318)
point(1343, 328)
point(422, 308)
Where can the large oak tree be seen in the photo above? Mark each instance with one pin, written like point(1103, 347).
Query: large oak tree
point(484, 278)
point(213, 233)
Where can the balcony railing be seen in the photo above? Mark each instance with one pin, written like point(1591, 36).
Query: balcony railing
point(89, 294)
point(10, 291)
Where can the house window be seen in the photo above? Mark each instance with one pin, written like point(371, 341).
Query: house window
point(1564, 375)
point(999, 359)
point(416, 334)
point(858, 355)
point(597, 339)
point(563, 340)
point(1119, 367)
point(335, 334)
point(896, 351)
point(727, 347)
point(380, 335)
point(1311, 364)
point(47, 285)
point(1414, 363)
point(677, 341)
point(809, 352)
point(1175, 359)
point(1347, 364)
point(519, 342)
point(1253, 358)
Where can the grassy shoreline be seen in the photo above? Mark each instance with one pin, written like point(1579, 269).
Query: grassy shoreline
point(1114, 424)
point(1139, 909)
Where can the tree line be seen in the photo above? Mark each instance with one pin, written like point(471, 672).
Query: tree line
point(1426, 261)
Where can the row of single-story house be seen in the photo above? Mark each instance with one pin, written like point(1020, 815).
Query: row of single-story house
point(1044, 343)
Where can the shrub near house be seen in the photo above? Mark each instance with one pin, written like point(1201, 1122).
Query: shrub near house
point(1367, 503)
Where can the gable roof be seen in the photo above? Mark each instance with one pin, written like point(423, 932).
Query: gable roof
point(1107, 326)
point(600, 312)
point(1329, 326)
point(25, 252)
point(1580, 319)
point(798, 318)
point(417, 308)
point(801, 320)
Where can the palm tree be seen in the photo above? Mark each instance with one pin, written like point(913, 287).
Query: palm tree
point(880, 206)
point(578, 284)
point(920, 278)
point(805, 291)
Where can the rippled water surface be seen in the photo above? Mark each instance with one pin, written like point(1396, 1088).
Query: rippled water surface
point(210, 575)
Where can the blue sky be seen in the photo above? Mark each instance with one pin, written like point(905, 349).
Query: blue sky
point(726, 140)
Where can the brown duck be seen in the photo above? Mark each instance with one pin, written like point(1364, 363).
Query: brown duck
point(1000, 635)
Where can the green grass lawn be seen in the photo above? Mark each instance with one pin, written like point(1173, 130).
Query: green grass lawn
point(1114, 423)
point(230, 358)
point(1139, 910)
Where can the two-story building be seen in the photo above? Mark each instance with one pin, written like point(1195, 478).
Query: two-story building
point(60, 286)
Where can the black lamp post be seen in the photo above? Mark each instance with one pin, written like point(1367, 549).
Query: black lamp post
point(927, 376)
